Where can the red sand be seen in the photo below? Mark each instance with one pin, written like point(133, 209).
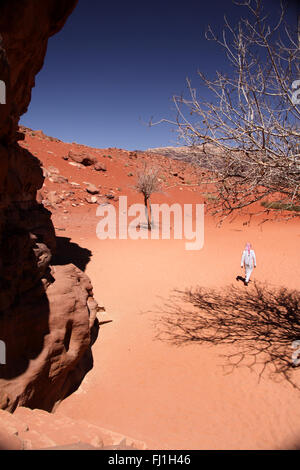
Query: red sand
point(179, 397)
point(176, 398)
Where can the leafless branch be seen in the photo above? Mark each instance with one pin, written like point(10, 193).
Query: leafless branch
point(250, 128)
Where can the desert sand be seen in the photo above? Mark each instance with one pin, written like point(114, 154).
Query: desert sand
point(172, 397)
point(179, 397)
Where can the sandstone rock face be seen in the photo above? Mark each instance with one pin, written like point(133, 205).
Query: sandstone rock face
point(53, 332)
point(46, 321)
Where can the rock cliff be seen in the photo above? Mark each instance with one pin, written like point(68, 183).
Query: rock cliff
point(47, 313)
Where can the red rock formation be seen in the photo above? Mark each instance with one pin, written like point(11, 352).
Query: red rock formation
point(47, 314)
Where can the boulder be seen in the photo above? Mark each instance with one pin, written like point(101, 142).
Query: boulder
point(49, 362)
point(92, 189)
point(99, 167)
point(82, 157)
point(58, 179)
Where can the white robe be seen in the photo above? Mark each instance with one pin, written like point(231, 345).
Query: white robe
point(249, 261)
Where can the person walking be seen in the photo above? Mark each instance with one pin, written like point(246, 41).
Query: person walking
point(248, 261)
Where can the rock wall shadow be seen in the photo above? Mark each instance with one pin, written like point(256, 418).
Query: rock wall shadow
point(70, 252)
point(24, 306)
point(31, 343)
point(21, 347)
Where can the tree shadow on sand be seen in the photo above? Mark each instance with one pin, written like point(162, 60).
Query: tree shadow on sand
point(69, 252)
point(262, 323)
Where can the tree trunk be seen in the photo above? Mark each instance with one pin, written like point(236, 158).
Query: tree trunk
point(147, 212)
point(150, 214)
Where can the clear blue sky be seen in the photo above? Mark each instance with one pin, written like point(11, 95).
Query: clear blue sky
point(117, 64)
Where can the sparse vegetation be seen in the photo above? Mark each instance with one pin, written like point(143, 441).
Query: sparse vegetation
point(147, 184)
point(278, 205)
point(210, 197)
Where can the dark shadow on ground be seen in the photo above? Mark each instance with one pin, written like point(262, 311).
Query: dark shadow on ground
point(243, 279)
point(69, 252)
point(261, 323)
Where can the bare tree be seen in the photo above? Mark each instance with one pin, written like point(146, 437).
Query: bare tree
point(249, 129)
point(261, 323)
point(147, 184)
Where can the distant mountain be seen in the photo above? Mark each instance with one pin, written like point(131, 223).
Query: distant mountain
point(200, 154)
